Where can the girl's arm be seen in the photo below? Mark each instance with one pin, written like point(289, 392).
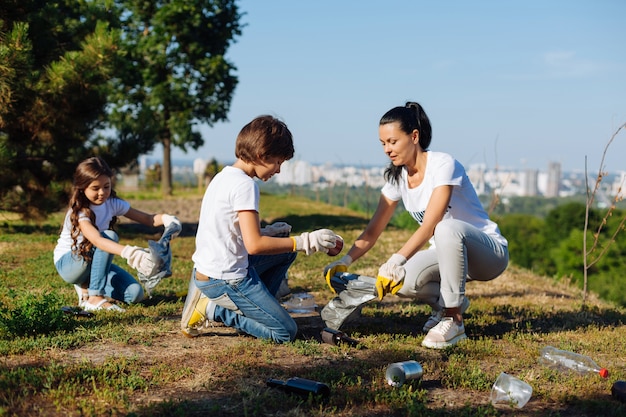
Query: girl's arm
point(374, 228)
point(257, 244)
point(435, 210)
point(151, 220)
point(92, 234)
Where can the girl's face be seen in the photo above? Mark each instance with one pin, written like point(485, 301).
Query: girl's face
point(399, 146)
point(98, 190)
point(266, 169)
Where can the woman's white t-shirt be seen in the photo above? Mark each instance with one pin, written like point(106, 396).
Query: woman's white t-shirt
point(220, 251)
point(104, 214)
point(443, 169)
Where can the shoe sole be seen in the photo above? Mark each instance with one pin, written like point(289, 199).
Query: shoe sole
point(193, 295)
point(443, 345)
point(190, 333)
point(464, 306)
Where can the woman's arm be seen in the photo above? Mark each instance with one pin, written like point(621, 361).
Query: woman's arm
point(373, 230)
point(435, 210)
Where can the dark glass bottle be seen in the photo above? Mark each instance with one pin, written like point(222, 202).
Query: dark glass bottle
point(337, 337)
point(618, 391)
point(300, 386)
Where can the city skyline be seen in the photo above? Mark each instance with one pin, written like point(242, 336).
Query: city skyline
point(512, 84)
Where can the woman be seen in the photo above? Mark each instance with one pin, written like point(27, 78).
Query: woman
point(463, 243)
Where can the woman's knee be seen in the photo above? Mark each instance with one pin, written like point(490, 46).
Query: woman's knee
point(446, 228)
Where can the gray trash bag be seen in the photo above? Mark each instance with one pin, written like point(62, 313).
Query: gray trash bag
point(162, 256)
point(353, 291)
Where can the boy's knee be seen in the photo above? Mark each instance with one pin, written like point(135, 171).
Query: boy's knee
point(287, 334)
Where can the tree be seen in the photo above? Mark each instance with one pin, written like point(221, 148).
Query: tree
point(175, 73)
point(589, 257)
point(55, 60)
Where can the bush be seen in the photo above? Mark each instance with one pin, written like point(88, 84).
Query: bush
point(34, 315)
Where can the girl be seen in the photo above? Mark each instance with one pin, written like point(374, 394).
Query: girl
point(464, 242)
point(84, 252)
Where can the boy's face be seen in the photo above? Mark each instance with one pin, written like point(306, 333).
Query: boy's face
point(265, 170)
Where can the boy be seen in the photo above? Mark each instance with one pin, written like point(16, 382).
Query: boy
point(238, 269)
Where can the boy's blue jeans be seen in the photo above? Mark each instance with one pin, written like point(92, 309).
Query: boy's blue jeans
point(249, 304)
point(104, 277)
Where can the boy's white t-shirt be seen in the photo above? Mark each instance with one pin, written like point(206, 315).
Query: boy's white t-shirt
point(104, 214)
point(443, 169)
point(220, 251)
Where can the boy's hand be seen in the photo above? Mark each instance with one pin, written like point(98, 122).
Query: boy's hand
point(317, 241)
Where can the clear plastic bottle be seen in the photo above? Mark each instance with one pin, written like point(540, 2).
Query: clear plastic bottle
point(565, 360)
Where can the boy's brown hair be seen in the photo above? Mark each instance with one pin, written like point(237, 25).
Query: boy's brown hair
point(263, 138)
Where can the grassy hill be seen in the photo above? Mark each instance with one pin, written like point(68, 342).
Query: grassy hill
point(138, 363)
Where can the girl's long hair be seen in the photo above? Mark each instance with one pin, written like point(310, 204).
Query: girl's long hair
point(87, 171)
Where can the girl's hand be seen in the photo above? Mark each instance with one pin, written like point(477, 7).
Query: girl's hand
point(139, 259)
point(168, 219)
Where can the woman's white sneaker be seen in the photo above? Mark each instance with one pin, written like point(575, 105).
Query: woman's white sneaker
point(445, 334)
point(437, 315)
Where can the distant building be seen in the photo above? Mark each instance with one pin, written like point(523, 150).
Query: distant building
point(529, 183)
point(554, 179)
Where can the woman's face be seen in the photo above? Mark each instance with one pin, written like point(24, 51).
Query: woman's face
point(399, 146)
point(99, 190)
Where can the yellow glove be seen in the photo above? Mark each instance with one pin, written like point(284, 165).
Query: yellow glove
point(338, 266)
point(390, 276)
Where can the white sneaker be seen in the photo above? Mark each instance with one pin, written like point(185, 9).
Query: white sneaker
point(446, 333)
point(82, 296)
point(283, 290)
point(87, 306)
point(198, 312)
point(437, 315)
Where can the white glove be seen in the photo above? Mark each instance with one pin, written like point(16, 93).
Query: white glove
point(391, 276)
point(276, 229)
point(139, 259)
point(169, 219)
point(338, 266)
point(317, 241)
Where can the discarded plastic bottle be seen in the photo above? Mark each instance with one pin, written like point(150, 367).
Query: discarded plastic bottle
point(300, 386)
point(337, 337)
point(566, 360)
point(618, 390)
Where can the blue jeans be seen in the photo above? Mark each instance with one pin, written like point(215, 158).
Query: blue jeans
point(104, 277)
point(248, 304)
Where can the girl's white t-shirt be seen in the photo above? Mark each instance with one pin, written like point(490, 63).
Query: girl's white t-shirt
point(220, 251)
point(443, 169)
point(104, 214)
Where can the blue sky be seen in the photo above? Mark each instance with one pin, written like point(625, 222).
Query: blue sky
point(506, 83)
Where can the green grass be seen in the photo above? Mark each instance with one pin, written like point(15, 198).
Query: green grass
point(138, 364)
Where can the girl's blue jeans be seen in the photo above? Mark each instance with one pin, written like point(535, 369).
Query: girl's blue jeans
point(249, 304)
point(104, 277)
